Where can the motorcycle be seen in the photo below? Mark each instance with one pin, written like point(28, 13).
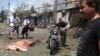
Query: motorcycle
point(53, 43)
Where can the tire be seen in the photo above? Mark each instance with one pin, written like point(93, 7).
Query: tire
point(48, 44)
point(48, 41)
point(52, 47)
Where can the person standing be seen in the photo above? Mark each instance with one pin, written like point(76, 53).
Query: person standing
point(15, 22)
point(26, 21)
point(25, 29)
point(62, 25)
point(89, 44)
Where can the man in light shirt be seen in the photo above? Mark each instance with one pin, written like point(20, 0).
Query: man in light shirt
point(26, 21)
point(15, 22)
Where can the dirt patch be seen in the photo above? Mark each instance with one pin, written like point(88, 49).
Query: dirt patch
point(40, 49)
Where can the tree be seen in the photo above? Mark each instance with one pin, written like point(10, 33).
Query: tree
point(3, 16)
point(32, 10)
point(21, 10)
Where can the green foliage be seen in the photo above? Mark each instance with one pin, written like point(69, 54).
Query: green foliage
point(3, 16)
point(32, 10)
point(22, 11)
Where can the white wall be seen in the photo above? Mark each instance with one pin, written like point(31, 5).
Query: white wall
point(59, 15)
point(10, 18)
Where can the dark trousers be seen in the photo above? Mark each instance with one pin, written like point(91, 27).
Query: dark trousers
point(16, 28)
point(63, 38)
point(25, 31)
point(26, 34)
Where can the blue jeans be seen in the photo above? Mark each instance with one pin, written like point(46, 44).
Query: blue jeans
point(15, 28)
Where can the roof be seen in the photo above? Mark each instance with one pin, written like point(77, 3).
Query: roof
point(68, 4)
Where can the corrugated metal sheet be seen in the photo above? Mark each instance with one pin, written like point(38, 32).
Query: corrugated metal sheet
point(68, 4)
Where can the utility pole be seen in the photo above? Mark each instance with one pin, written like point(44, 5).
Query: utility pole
point(45, 12)
point(2, 8)
point(8, 5)
point(8, 20)
point(55, 10)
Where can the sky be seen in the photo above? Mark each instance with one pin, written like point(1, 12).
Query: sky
point(15, 3)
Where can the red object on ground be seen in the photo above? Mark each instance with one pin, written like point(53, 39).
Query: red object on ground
point(22, 45)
